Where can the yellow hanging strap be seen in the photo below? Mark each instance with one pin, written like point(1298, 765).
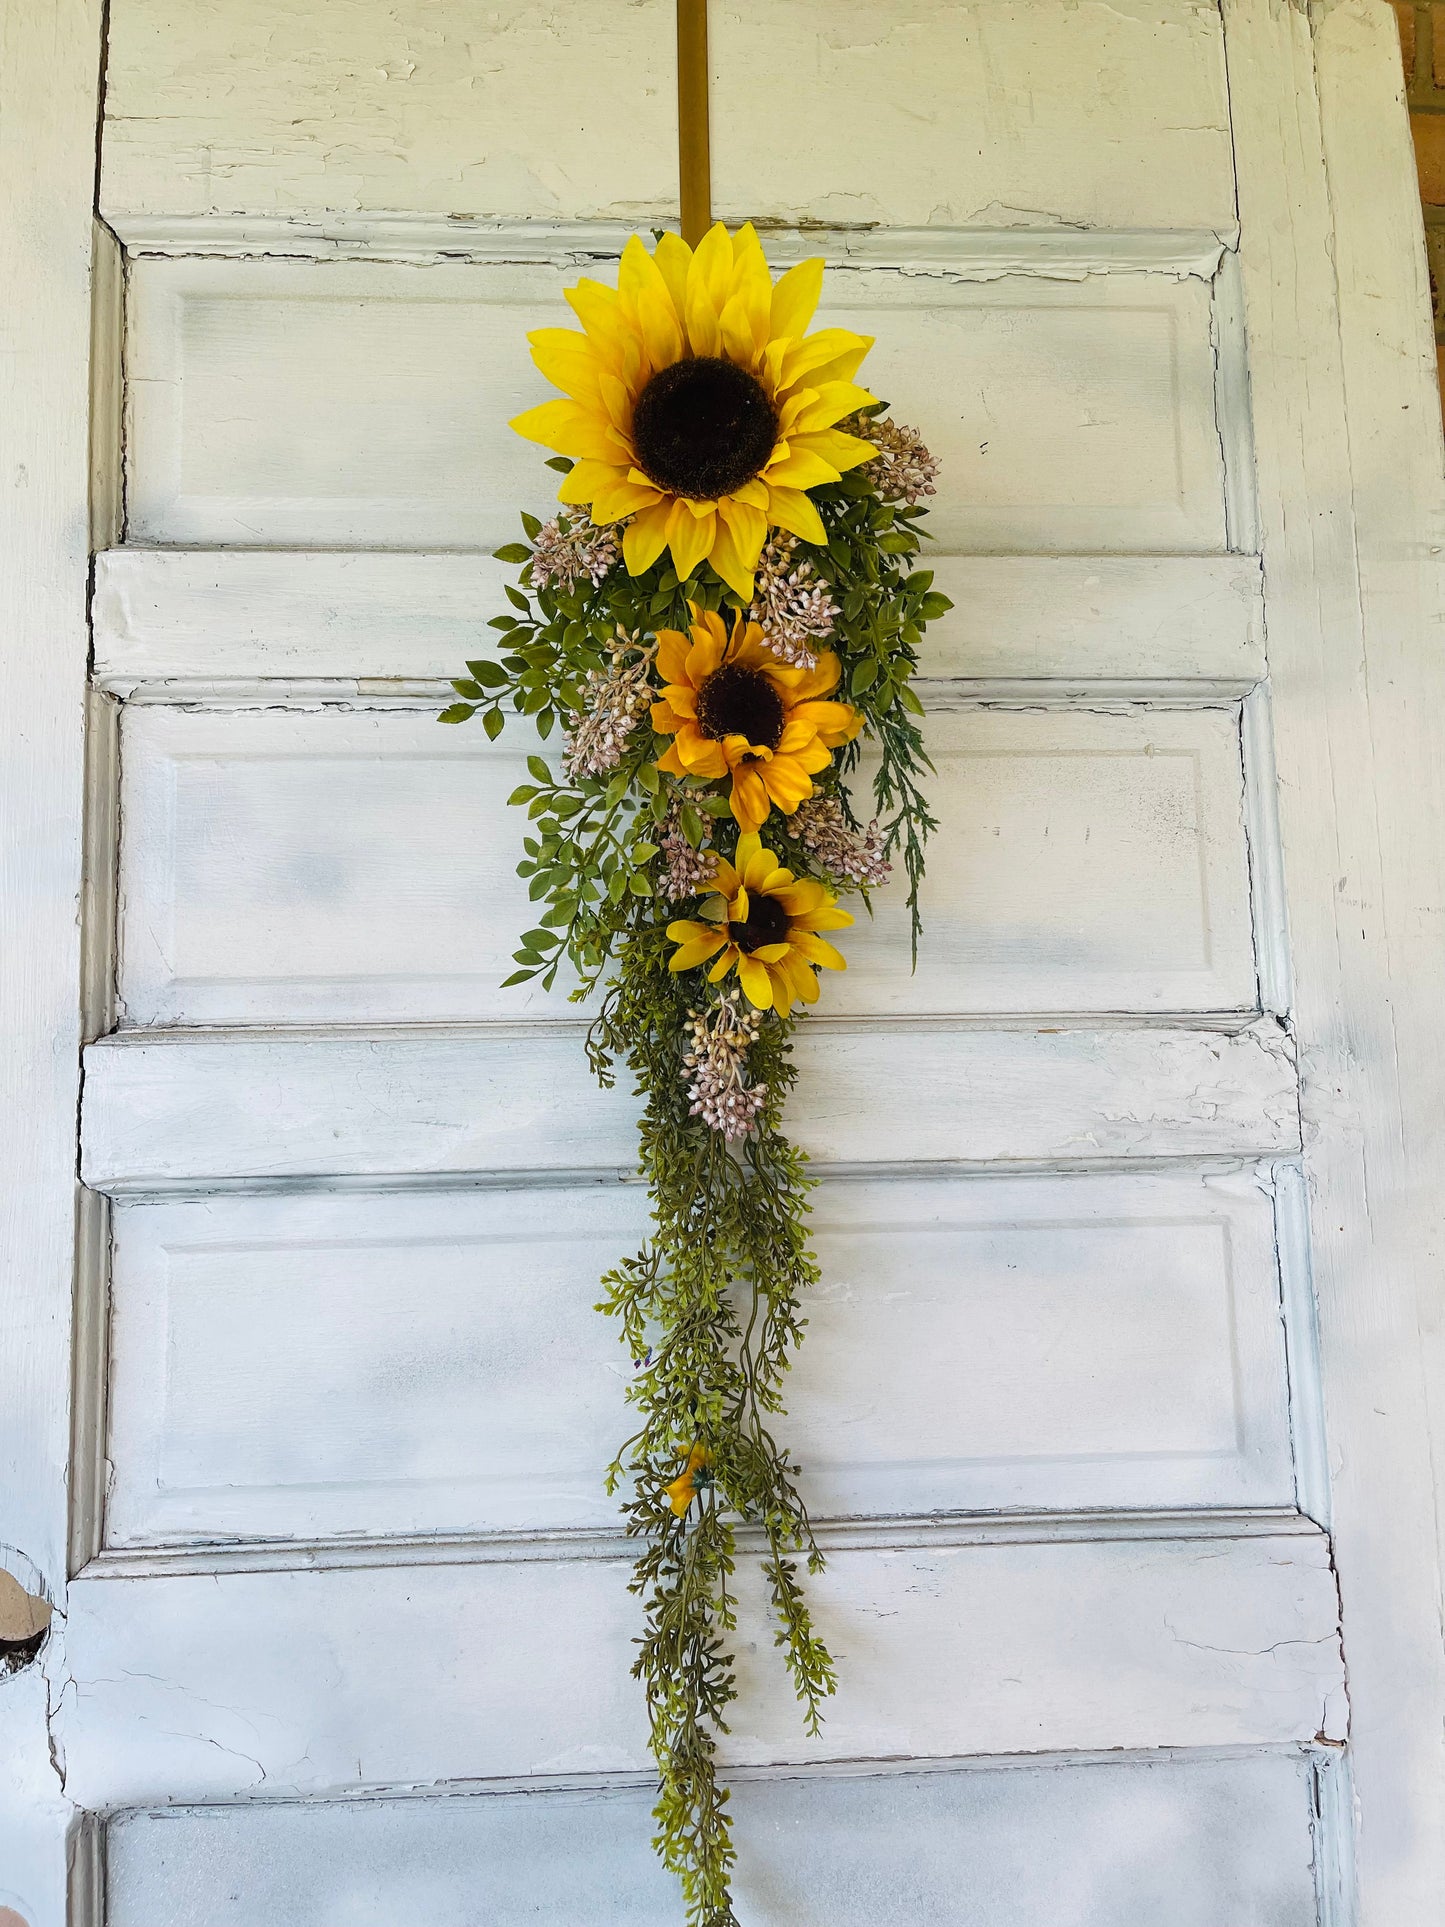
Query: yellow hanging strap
point(694, 159)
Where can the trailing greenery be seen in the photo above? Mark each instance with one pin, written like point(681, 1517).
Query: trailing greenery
point(711, 1308)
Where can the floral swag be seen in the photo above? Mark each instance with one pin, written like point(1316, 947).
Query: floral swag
point(721, 616)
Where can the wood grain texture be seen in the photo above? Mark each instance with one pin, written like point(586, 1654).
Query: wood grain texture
point(1352, 493)
point(192, 1110)
point(164, 615)
point(364, 404)
point(299, 1367)
point(378, 106)
point(346, 866)
point(304, 1682)
point(1195, 1841)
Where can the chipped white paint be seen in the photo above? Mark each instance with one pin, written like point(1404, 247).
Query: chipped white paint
point(242, 615)
point(195, 1110)
point(969, 113)
point(953, 253)
point(1352, 502)
point(1069, 1645)
point(49, 66)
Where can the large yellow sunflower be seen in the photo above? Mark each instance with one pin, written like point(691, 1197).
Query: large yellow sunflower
point(765, 921)
point(732, 708)
point(699, 405)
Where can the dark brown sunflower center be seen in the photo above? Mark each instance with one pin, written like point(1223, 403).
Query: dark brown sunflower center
point(734, 701)
point(767, 923)
point(703, 427)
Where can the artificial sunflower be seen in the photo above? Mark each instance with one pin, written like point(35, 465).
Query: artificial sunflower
point(732, 709)
point(766, 921)
point(698, 403)
point(690, 1481)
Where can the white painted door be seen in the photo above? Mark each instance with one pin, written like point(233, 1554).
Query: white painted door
point(1130, 1210)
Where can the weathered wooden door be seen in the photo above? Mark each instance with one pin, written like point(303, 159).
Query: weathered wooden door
point(1130, 1211)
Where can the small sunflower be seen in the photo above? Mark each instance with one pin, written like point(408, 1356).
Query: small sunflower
point(690, 1481)
point(766, 921)
point(732, 709)
point(698, 403)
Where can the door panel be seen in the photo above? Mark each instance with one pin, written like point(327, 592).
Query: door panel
point(1192, 1842)
point(340, 867)
point(366, 404)
point(305, 1367)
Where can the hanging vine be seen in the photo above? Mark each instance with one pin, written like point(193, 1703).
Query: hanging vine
point(722, 616)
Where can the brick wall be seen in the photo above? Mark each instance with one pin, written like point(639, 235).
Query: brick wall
point(1422, 42)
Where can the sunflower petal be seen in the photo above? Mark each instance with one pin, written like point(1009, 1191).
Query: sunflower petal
point(616, 499)
point(752, 285)
point(672, 648)
point(545, 422)
point(756, 982)
point(817, 952)
point(830, 402)
point(790, 509)
point(731, 559)
point(754, 862)
point(843, 451)
point(795, 298)
point(724, 964)
point(689, 536)
point(583, 480)
point(696, 951)
point(644, 538)
point(567, 359)
point(673, 257)
point(787, 782)
point(830, 917)
point(801, 468)
point(749, 800)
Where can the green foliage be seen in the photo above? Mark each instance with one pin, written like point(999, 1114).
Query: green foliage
point(711, 1308)
point(710, 1311)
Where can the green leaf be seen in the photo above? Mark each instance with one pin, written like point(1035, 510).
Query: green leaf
point(464, 686)
point(909, 700)
point(523, 793)
point(494, 722)
point(692, 826)
point(864, 675)
point(643, 852)
point(532, 524)
point(648, 778)
point(934, 605)
point(537, 768)
point(639, 885)
point(617, 885)
point(490, 673)
point(500, 622)
point(562, 464)
point(457, 713)
point(538, 939)
point(515, 597)
point(544, 724)
point(513, 552)
point(518, 977)
point(920, 579)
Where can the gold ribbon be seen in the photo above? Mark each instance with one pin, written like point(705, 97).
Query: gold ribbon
point(694, 159)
